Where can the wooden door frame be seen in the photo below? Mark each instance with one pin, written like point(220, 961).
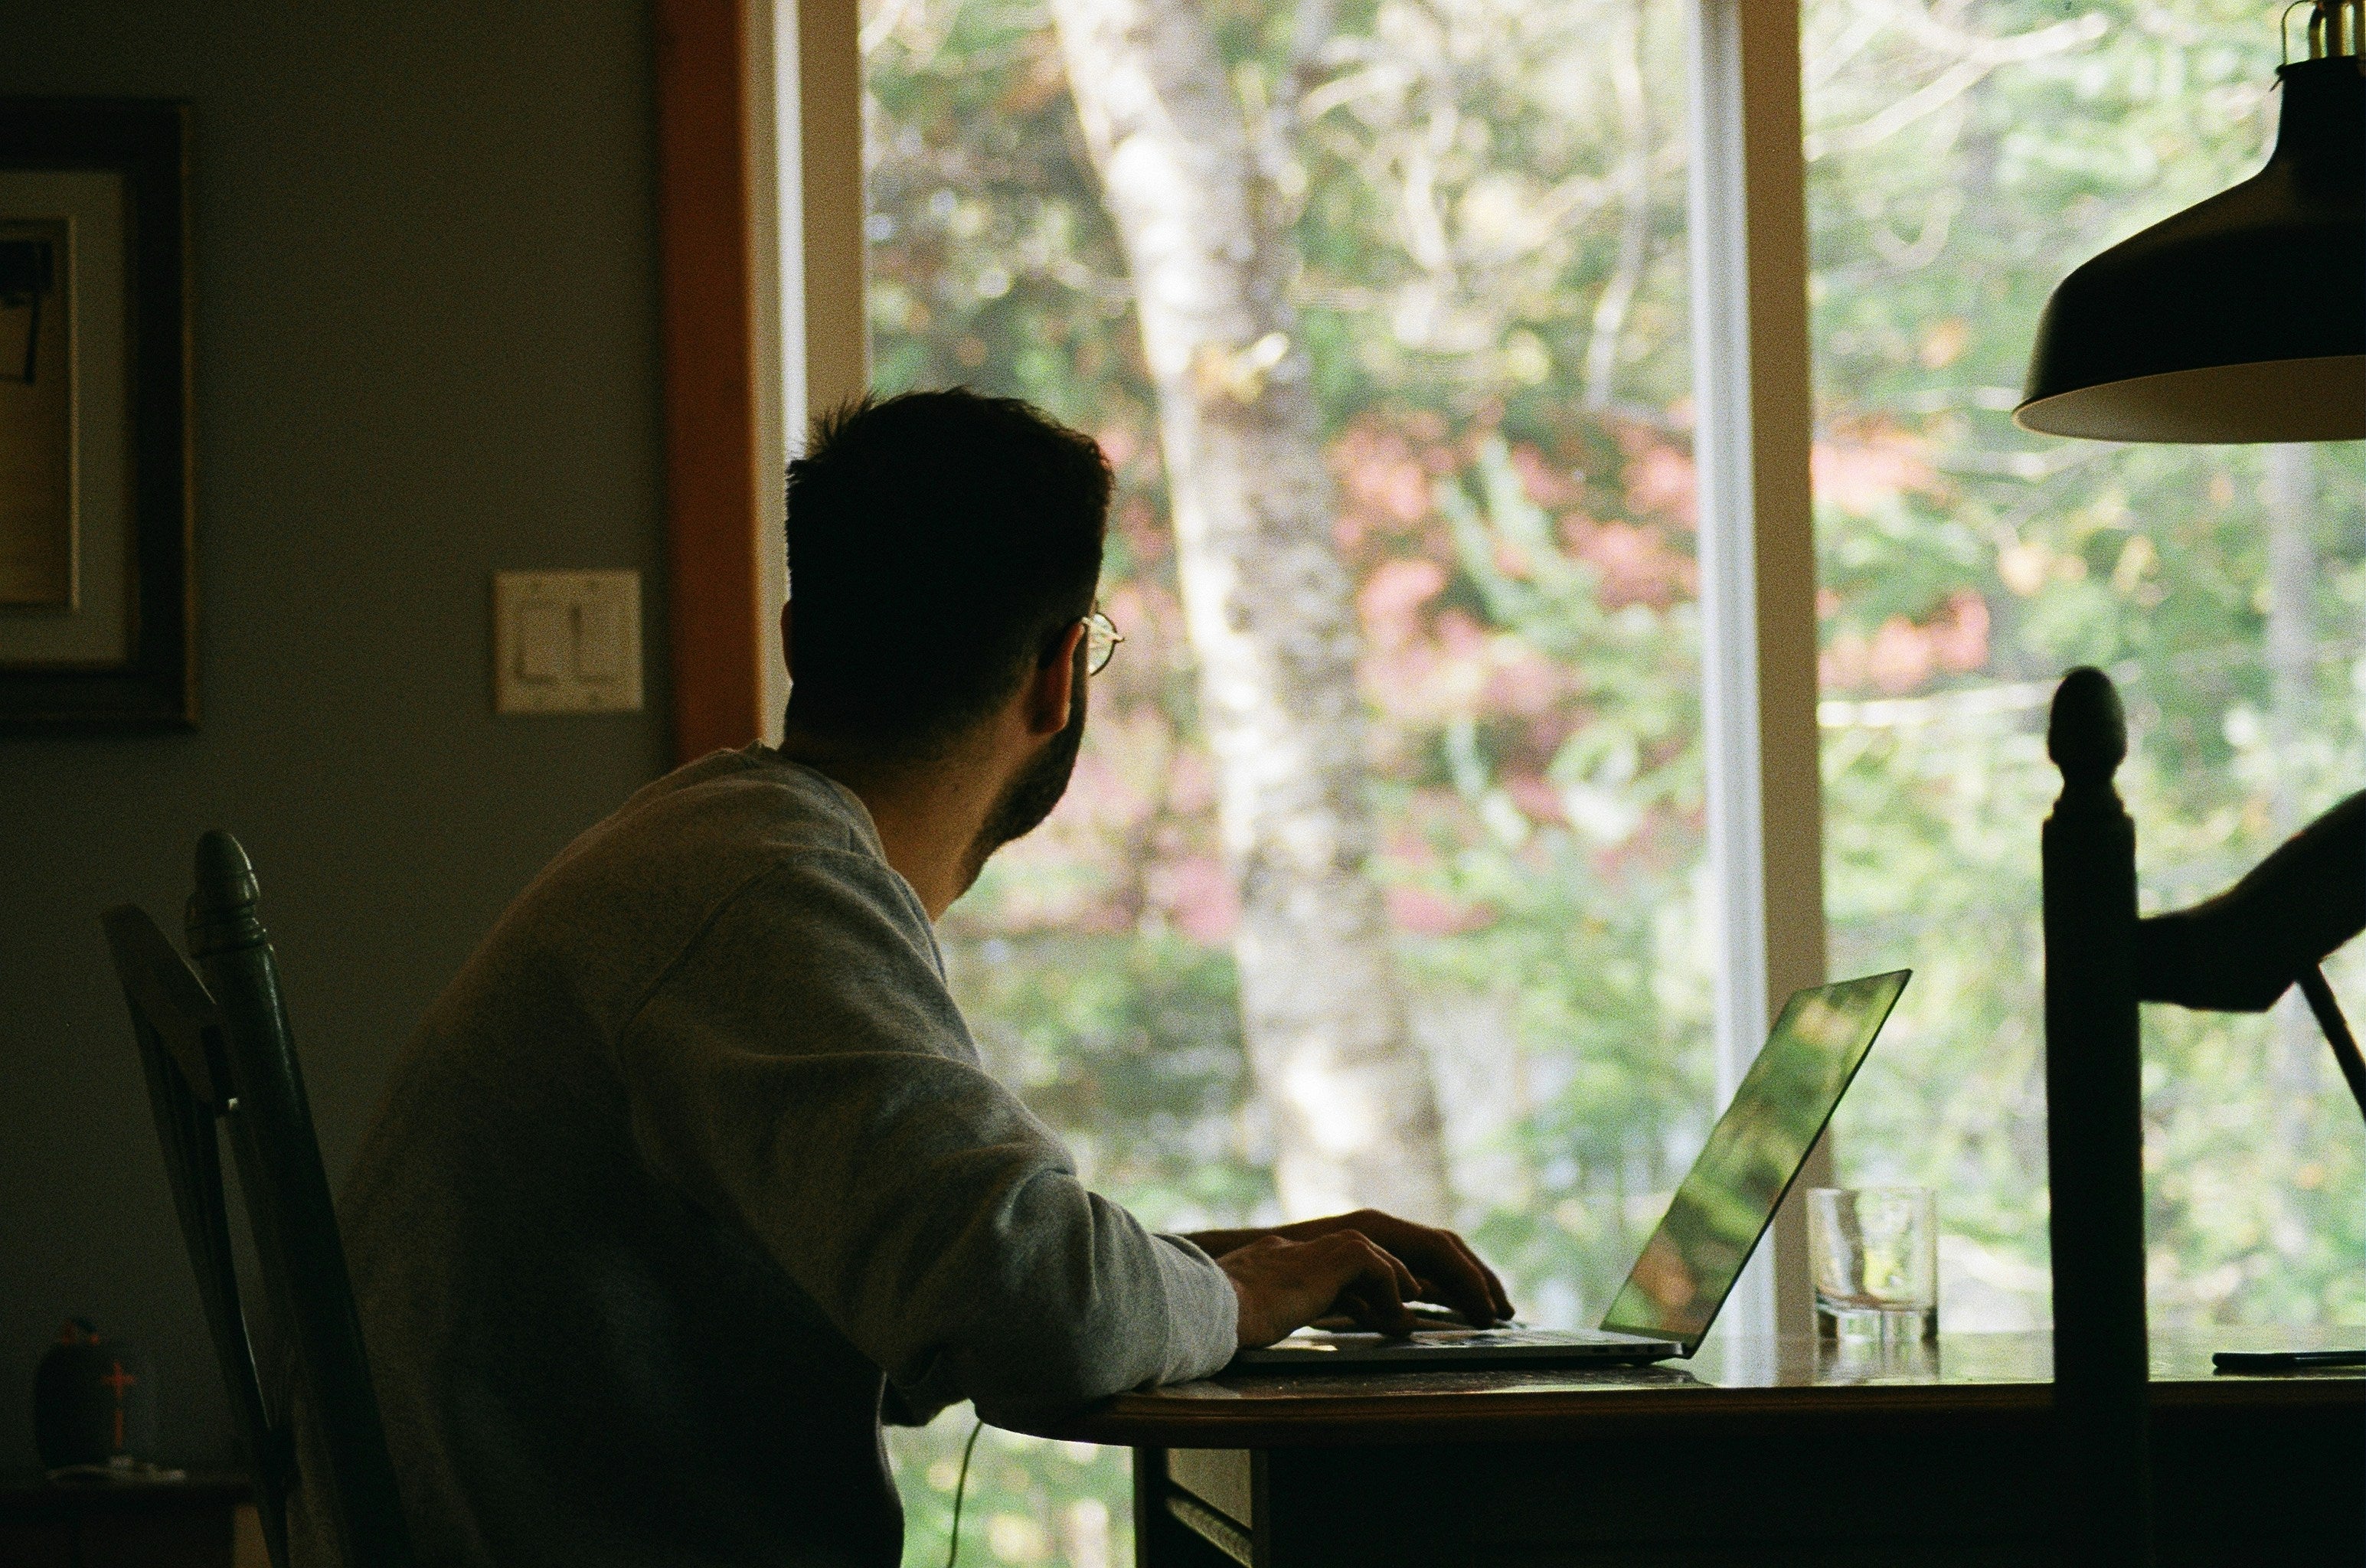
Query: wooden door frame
point(757, 251)
point(708, 264)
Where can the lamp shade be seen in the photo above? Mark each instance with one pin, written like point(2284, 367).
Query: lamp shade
point(2243, 318)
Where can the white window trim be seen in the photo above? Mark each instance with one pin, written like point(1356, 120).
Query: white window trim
point(777, 262)
point(807, 65)
point(1752, 387)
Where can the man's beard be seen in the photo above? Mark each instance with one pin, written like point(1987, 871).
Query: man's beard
point(1030, 797)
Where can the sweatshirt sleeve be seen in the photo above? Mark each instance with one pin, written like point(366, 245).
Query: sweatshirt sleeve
point(800, 1073)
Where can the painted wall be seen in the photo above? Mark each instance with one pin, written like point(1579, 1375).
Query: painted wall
point(426, 349)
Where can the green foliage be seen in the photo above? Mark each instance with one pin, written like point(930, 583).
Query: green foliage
point(1488, 200)
point(1580, 889)
point(1029, 1501)
point(1131, 1044)
point(1936, 237)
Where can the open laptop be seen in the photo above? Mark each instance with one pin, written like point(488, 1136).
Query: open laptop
point(1723, 1206)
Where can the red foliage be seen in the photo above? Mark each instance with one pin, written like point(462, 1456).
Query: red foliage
point(1119, 443)
point(1136, 840)
point(1869, 466)
point(1384, 484)
point(1902, 655)
point(1635, 564)
point(1535, 797)
point(1660, 477)
point(1544, 484)
point(1425, 913)
point(1144, 531)
point(1521, 682)
point(1196, 894)
point(1389, 603)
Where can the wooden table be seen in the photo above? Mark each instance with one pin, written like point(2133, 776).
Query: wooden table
point(203, 1521)
point(1765, 1453)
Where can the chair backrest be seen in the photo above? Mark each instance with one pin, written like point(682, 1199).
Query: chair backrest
point(2238, 951)
point(215, 1044)
point(2094, 1137)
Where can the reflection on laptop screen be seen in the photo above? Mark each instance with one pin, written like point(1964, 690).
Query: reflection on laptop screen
point(1729, 1198)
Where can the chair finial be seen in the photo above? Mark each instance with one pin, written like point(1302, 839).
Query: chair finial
point(2087, 734)
point(221, 912)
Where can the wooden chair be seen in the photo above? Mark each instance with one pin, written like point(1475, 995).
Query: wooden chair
point(2238, 952)
point(215, 1044)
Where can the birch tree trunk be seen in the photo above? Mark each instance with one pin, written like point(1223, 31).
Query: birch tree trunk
point(1268, 605)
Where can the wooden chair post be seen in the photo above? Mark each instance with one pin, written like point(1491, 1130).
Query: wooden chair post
point(178, 1031)
point(2094, 1137)
point(301, 1259)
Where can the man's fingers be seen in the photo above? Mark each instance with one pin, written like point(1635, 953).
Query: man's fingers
point(1495, 1291)
point(1456, 1276)
point(1464, 1287)
point(1378, 1316)
point(1401, 1283)
point(1453, 1276)
point(1367, 1265)
point(1357, 1252)
point(1493, 1287)
point(1373, 1307)
point(1374, 1282)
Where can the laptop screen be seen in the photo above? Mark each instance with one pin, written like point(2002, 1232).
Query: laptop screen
point(1730, 1196)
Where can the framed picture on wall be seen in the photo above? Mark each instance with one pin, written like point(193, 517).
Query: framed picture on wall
point(96, 601)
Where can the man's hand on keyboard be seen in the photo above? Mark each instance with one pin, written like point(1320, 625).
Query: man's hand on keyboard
point(1283, 1283)
point(1373, 1263)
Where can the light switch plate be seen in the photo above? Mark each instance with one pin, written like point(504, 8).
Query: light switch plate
point(567, 642)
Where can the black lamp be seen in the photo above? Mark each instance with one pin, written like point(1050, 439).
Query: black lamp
point(2243, 318)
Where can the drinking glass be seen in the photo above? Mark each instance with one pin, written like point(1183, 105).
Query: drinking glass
point(1874, 1252)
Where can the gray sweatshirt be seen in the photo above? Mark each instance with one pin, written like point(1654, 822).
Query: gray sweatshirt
point(692, 1167)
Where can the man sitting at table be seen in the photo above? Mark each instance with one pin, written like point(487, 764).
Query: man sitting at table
point(695, 1170)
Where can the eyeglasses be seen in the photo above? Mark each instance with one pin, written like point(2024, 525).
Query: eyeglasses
point(1102, 637)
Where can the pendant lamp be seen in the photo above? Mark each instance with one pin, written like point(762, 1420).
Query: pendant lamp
point(2243, 318)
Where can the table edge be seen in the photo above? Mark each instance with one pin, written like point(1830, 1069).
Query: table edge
point(1151, 1420)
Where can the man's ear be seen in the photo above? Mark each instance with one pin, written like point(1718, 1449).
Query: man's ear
point(1054, 687)
point(788, 656)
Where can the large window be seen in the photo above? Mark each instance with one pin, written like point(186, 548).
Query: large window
point(1380, 881)
point(1962, 158)
point(1385, 876)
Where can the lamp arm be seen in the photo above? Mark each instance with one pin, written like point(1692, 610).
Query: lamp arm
point(2240, 950)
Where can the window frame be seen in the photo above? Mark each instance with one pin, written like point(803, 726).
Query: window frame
point(709, 351)
point(1752, 384)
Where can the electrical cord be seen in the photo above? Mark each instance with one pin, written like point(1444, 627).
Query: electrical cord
point(960, 1490)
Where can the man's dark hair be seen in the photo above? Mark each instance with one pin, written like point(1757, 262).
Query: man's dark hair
point(940, 543)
